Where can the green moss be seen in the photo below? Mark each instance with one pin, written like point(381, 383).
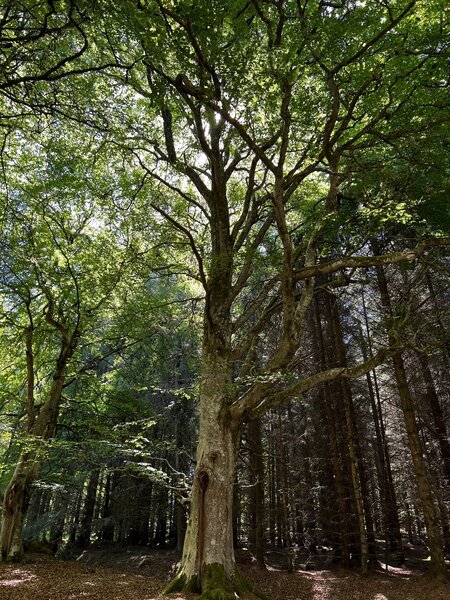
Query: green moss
point(176, 585)
point(181, 584)
point(193, 585)
point(247, 587)
point(215, 585)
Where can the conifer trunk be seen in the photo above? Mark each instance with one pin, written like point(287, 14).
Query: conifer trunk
point(84, 534)
point(437, 414)
point(257, 491)
point(365, 526)
point(435, 541)
point(342, 552)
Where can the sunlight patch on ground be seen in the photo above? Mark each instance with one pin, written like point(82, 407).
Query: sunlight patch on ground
point(320, 588)
point(17, 577)
point(321, 591)
point(400, 571)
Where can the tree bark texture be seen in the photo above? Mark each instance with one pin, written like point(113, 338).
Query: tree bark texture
point(435, 541)
point(257, 491)
point(208, 563)
point(19, 489)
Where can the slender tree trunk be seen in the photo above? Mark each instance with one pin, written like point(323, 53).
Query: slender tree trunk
point(342, 553)
point(181, 525)
point(161, 518)
point(60, 514)
point(84, 533)
point(257, 491)
point(107, 530)
point(272, 489)
point(430, 514)
point(437, 414)
point(439, 318)
point(431, 517)
point(180, 464)
point(387, 489)
point(284, 504)
point(352, 441)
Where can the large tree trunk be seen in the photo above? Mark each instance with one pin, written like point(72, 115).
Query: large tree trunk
point(208, 564)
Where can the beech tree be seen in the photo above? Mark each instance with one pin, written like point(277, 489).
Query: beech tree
point(254, 132)
point(61, 269)
point(250, 121)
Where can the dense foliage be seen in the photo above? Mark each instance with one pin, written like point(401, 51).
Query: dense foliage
point(225, 221)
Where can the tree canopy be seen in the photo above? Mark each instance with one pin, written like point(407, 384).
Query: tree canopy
point(219, 170)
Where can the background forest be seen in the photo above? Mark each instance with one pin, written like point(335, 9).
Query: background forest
point(224, 281)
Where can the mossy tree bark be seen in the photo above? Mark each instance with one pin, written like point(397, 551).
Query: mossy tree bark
point(208, 564)
point(19, 490)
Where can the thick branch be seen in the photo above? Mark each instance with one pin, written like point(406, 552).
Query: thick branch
point(252, 406)
point(370, 261)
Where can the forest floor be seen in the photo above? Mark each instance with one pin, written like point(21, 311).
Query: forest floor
point(129, 575)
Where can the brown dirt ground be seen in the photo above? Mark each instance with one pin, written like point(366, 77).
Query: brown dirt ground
point(142, 577)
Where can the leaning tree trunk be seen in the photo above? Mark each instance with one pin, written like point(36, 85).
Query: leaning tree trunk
point(15, 503)
point(19, 490)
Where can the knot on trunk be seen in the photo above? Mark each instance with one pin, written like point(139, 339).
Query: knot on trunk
point(203, 480)
point(213, 456)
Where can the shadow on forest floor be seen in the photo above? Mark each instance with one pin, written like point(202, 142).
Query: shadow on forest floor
point(137, 575)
